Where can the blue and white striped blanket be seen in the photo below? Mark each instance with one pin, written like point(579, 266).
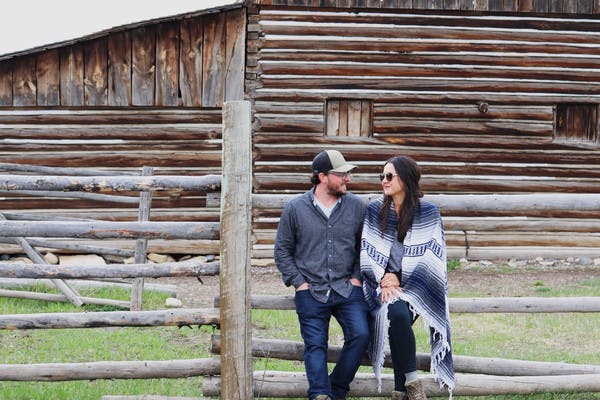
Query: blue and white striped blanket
point(424, 283)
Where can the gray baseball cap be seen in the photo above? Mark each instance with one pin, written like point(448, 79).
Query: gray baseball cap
point(330, 161)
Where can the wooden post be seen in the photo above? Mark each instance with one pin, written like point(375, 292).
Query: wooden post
point(236, 357)
point(141, 245)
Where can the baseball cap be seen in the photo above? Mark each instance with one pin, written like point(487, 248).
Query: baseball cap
point(330, 161)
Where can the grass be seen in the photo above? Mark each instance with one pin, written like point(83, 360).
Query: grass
point(542, 337)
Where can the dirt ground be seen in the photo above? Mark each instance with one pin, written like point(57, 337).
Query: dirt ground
point(476, 278)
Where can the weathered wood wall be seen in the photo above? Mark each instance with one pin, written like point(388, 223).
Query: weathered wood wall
point(471, 97)
point(540, 6)
point(186, 62)
point(144, 95)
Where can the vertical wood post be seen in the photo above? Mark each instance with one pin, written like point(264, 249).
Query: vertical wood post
point(141, 245)
point(236, 186)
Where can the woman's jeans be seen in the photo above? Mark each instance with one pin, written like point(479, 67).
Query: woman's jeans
point(314, 317)
point(402, 342)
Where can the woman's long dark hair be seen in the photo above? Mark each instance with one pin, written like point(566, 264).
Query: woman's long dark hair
point(409, 172)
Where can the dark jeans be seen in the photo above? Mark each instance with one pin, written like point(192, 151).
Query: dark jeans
point(402, 342)
point(314, 317)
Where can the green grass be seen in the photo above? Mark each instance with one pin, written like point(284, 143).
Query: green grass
point(540, 337)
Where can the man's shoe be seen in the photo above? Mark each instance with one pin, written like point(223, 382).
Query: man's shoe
point(414, 390)
point(397, 395)
point(322, 397)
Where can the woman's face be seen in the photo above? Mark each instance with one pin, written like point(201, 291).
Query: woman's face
point(391, 183)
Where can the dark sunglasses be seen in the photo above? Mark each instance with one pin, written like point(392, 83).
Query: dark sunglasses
point(388, 177)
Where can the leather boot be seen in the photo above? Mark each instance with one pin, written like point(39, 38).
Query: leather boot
point(415, 391)
point(397, 395)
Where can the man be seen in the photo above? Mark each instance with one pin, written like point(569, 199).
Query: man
point(316, 250)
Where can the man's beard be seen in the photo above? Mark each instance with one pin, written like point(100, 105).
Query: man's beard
point(336, 190)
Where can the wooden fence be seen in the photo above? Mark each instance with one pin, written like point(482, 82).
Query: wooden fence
point(231, 377)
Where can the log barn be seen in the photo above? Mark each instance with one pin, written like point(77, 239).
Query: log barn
point(491, 97)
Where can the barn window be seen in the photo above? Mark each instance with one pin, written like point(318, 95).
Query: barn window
point(577, 123)
point(348, 117)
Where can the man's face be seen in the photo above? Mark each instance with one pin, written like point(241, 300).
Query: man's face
point(336, 183)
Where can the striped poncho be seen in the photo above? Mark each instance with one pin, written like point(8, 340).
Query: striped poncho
point(424, 283)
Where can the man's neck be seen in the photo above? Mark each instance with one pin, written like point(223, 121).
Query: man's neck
point(324, 197)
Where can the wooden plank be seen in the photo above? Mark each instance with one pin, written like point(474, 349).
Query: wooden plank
point(434, 83)
point(441, 20)
point(294, 384)
point(71, 76)
point(366, 123)
point(24, 81)
point(333, 117)
point(452, 5)
point(143, 66)
point(171, 132)
point(417, 71)
point(141, 245)
point(167, 64)
point(48, 78)
point(95, 54)
point(36, 257)
point(475, 58)
point(308, 95)
point(190, 68)
point(343, 127)
point(132, 117)
point(119, 69)
point(214, 45)
point(354, 117)
point(6, 84)
point(541, 6)
point(235, 54)
point(525, 6)
point(145, 369)
point(173, 317)
point(415, 46)
point(585, 7)
point(236, 223)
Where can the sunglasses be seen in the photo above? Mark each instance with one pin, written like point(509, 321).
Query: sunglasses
point(388, 177)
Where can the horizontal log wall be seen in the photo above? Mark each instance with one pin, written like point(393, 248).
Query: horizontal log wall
point(190, 62)
point(182, 142)
point(521, 6)
point(471, 97)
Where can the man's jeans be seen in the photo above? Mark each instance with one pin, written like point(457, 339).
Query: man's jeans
point(314, 317)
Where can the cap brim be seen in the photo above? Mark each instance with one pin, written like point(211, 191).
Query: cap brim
point(344, 168)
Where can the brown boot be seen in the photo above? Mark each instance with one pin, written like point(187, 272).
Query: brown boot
point(396, 395)
point(415, 391)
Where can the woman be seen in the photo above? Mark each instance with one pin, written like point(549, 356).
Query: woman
point(403, 264)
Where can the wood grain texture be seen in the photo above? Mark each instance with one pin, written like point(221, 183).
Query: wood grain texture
point(119, 69)
point(191, 61)
point(48, 78)
point(143, 66)
point(6, 84)
point(214, 46)
point(235, 55)
point(95, 79)
point(167, 64)
point(24, 82)
point(71, 76)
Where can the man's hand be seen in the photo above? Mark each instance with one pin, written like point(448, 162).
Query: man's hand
point(304, 286)
point(355, 282)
